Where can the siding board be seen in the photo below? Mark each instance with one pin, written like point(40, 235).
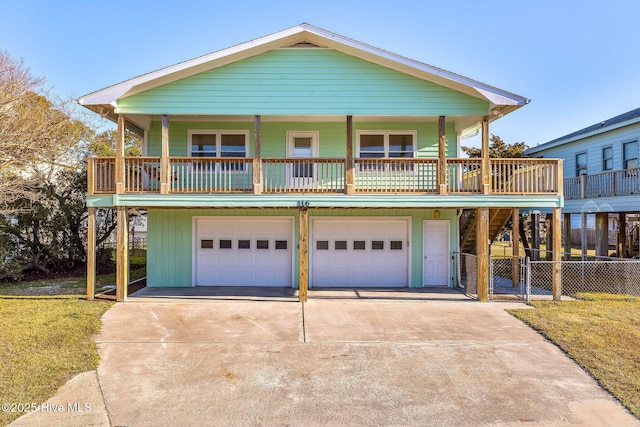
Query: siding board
point(318, 81)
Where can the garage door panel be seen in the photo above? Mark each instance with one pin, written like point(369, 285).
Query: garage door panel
point(235, 259)
point(361, 264)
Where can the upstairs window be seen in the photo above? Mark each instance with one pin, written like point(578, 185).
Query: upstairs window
point(630, 155)
point(607, 159)
point(581, 164)
point(386, 144)
point(219, 144)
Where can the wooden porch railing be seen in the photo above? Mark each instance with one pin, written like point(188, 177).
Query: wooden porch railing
point(303, 175)
point(405, 175)
point(524, 176)
point(210, 174)
point(329, 175)
point(101, 175)
point(611, 183)
point(463, 176)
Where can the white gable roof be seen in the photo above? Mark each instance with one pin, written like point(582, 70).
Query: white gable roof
point(104, 100)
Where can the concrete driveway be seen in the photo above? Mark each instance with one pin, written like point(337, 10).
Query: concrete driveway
point(343, 358)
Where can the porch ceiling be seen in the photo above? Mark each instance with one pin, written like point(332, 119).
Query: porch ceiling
point(139, 123)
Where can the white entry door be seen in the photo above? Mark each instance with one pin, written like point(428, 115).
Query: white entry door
point(300, 173)
point(436, 263)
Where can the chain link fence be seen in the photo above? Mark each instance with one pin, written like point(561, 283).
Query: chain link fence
point(534, 279)
point(611, 277)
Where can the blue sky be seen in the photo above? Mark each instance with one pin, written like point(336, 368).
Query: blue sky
point(579, 62)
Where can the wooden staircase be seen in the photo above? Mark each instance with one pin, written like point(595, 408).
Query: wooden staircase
point(498, 217)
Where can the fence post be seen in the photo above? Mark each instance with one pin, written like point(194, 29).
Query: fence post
point(556, 254)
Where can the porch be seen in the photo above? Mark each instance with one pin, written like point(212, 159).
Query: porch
point(332, 175)
point(607, 184)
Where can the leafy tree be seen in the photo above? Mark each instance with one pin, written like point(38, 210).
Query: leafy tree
point(104, 144)
point(498, 149)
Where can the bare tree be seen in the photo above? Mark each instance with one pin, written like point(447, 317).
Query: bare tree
point(38, 136)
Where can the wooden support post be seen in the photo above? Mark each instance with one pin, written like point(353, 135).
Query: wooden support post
point(486, 165)
point(556, 254)
point(549, 233)
point(303, 248)
point(257, 160)
point(442, 156)
point(535, 236)
point(622, 235)
point(122, 254)
point(164, 156)
point(515, 242)
point(583, 186)
point(91, 176)
point(91, 253)
point(482, 251)
point(120, 165)
point(567, 237)
point(583, 236)
point(349, 178)
point(602, 234)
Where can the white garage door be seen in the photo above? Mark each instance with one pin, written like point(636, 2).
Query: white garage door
point(243, 252)
point(359, 252)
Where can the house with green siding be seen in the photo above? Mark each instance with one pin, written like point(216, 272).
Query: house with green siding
point(306, 159)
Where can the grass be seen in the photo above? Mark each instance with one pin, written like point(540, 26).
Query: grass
point(46, 337)
point(64, 285)
point(601, 333)
point(504, 249)
point(44, 342)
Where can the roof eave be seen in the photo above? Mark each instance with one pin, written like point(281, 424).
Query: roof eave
point(495, 96)
point(563, 141)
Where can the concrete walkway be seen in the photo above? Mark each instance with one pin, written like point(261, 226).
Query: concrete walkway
point(237, 357)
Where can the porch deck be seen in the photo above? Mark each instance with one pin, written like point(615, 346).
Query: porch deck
point(192, 175)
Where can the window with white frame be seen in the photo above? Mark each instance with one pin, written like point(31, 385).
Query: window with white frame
point(581, 164)
point(630, 155)
point(386, 145)
point(220, 144)
point(607, 159)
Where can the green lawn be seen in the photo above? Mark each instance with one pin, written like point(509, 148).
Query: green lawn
point(65, 285)
point(601, 333)
point(44, 342)
point(46, 337)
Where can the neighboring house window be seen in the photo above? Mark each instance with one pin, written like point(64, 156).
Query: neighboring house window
point(607, 159)
point(219, 144)
point(581, 164)
point(630, 155)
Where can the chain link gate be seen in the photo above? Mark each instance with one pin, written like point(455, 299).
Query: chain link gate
point(501, 279)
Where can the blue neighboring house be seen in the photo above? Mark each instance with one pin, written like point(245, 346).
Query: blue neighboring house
point(601, 179)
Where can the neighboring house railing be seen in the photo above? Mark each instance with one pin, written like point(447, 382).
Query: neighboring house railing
point(324, 175)
point(612, 183)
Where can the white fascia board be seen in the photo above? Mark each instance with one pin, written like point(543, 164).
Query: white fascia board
point(303, 32)
point(421, 70)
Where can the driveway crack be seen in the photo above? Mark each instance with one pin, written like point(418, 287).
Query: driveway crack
point(304, 327)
